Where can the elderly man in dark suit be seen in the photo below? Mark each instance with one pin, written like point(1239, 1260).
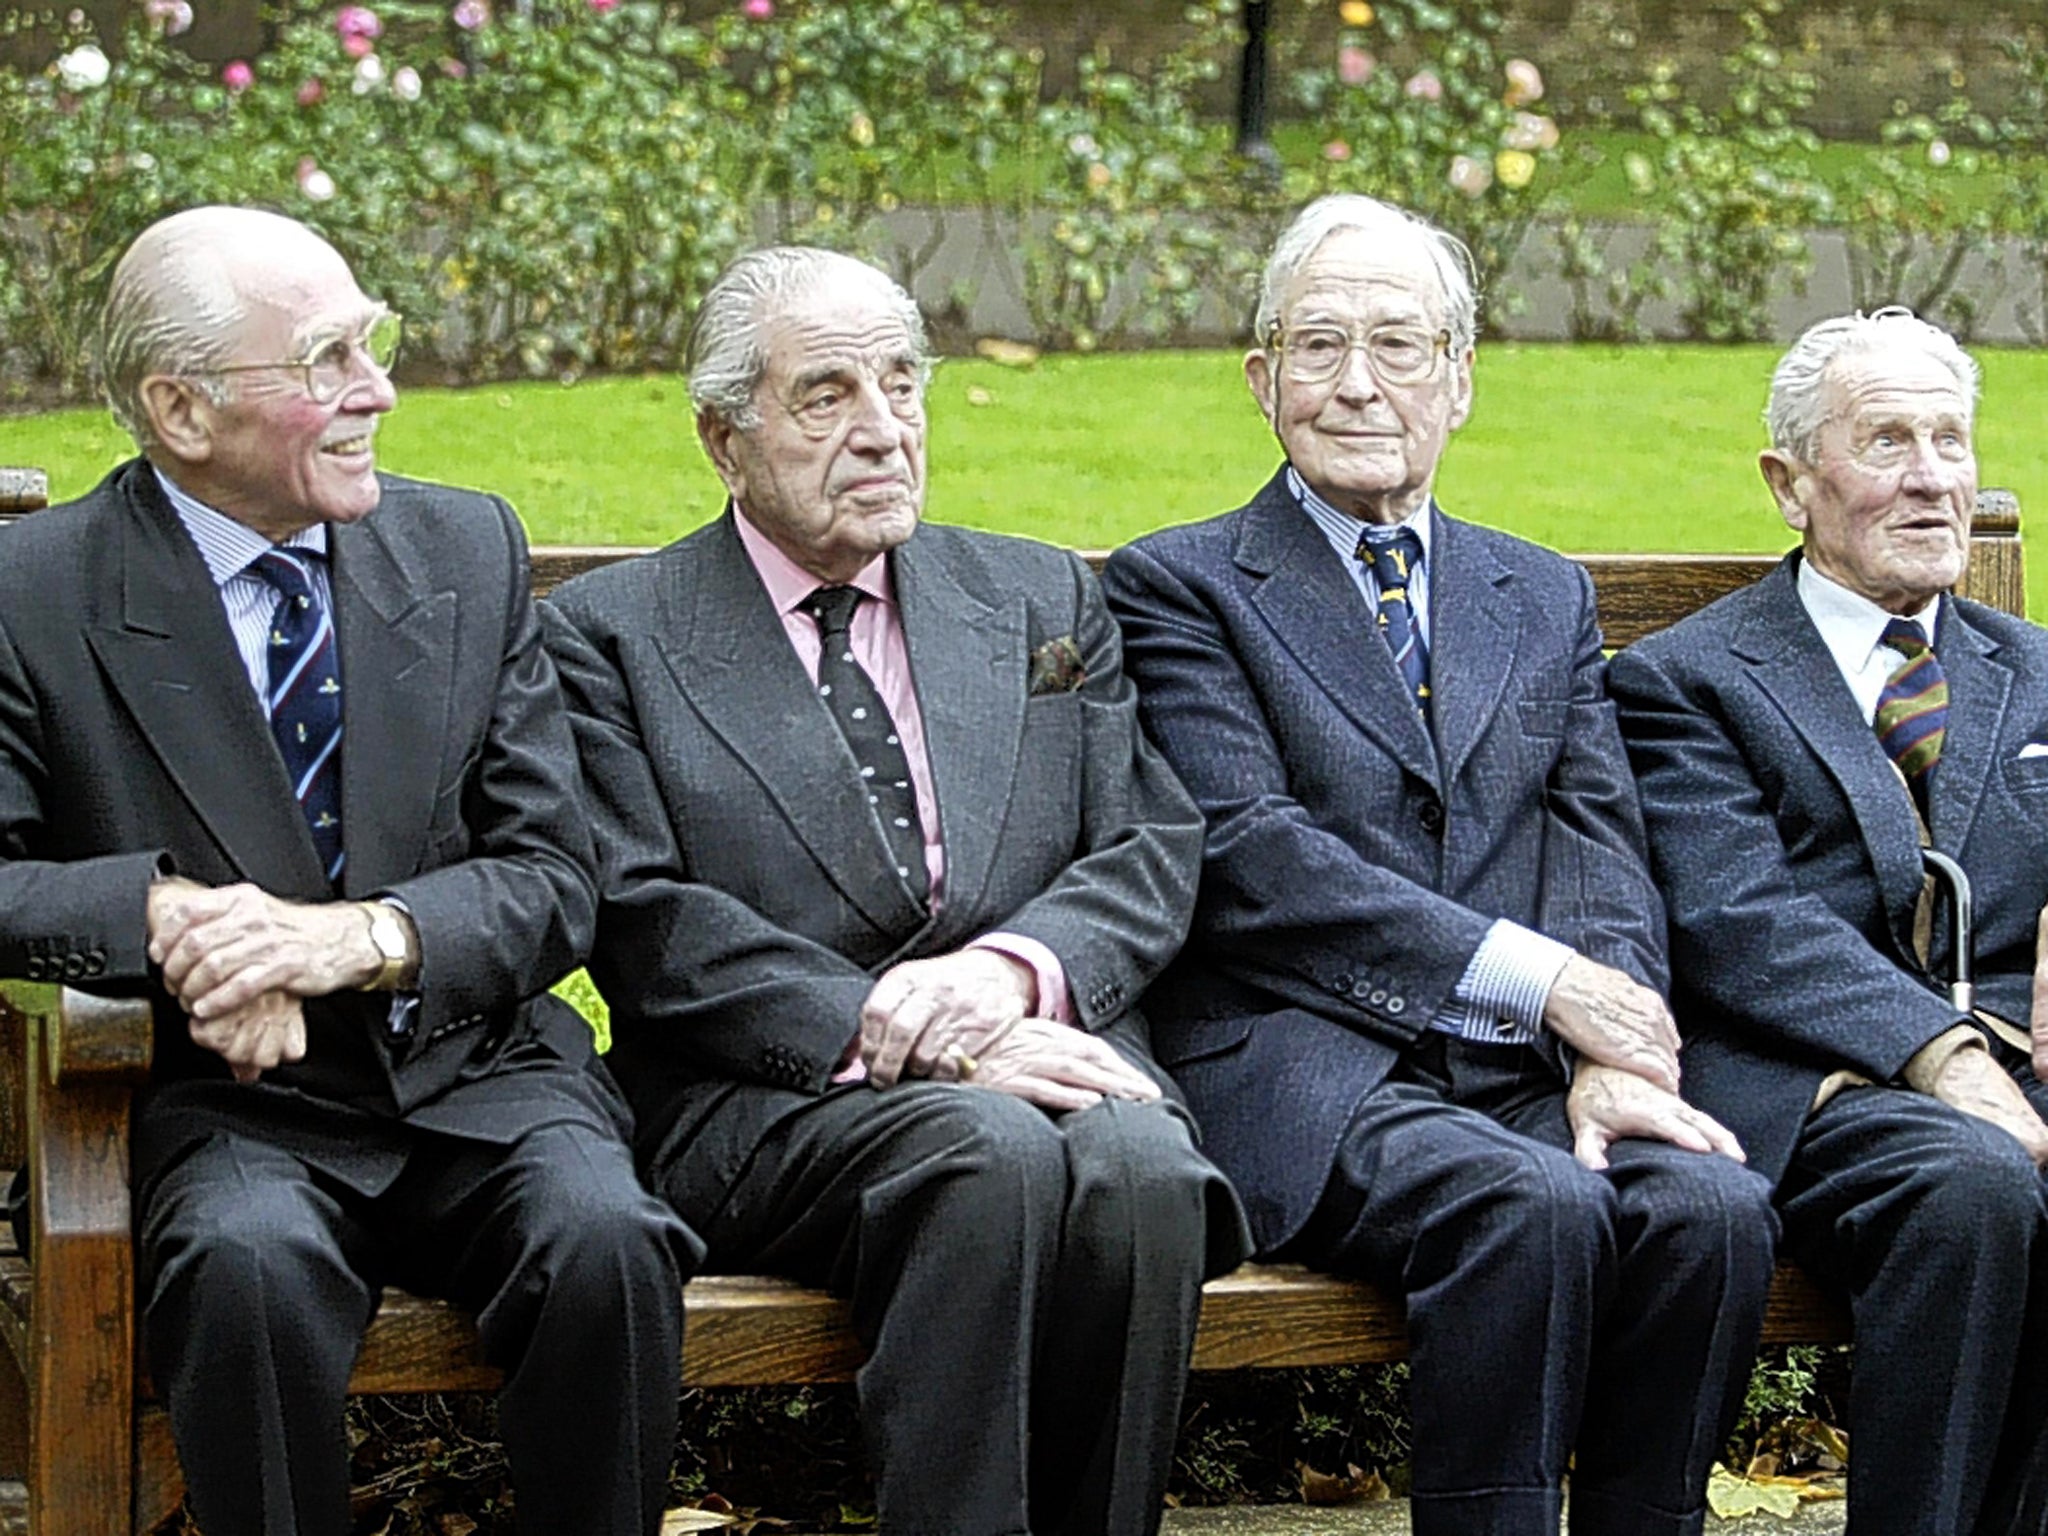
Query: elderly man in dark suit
point(1797, 745)
point(887, 866)
point(359, 1077)
point(1425, 963)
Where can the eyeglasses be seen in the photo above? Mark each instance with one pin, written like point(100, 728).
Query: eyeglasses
point(331, 368)
point(1397, 354)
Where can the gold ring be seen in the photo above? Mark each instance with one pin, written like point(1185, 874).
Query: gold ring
point(964, 1065)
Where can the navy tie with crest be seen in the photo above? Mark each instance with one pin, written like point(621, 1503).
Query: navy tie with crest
point(857, 708)
point(1394, 556)
point(305, 696)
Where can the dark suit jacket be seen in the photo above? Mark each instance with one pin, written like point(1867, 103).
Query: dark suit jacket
point(130, 739)
point(1353, 863)
point(1789, 856)
point(748, 903)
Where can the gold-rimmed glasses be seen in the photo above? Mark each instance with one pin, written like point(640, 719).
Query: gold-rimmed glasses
point(1397, 354)
point(331, 368)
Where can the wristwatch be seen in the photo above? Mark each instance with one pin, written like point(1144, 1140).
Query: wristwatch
point(388, 934)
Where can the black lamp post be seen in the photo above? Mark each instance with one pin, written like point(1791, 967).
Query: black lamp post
point(1251, 86)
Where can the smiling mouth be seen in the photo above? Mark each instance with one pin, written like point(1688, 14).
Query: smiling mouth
point(347, 447)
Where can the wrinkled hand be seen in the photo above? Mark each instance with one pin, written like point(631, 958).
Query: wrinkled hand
point(223, 948)
point(261, 1035)
point(1976, 1084)
point(1614, 1019)
point(2038, 1017)
point(923, 1014)
point(1607, 1105)
point(1058, 1067)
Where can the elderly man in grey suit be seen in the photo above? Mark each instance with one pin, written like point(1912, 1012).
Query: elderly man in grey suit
point(1797, 744)
point(278, 741)
point(886, 868)
point(1426, 959)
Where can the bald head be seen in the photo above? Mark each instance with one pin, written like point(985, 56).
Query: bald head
point(184, 289)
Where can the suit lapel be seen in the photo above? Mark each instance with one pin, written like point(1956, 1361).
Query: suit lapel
point(1793, 666)
point(967, 658)
point(175, 666)
point(1472, 646)
point(1979, 684)
point(1313, 607)
point(397, 665)
point(726, 648)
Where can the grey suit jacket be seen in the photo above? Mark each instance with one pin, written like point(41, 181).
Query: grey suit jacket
point(1789, 854)
point(748, 904)
point(1355, 860)
point(130, 741)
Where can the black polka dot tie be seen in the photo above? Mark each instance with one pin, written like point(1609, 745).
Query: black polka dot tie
point(857, 708)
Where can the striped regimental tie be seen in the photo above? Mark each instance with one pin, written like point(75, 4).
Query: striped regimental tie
point(305, 696)
point(1912, 712)
point(1393, 555)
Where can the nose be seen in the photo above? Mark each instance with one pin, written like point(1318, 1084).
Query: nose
point(1928, 471)
point(874, 428)
point(369, 387)
point(1355, 379)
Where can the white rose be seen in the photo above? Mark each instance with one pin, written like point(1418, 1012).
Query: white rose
point(369, 74)
point(82, 69)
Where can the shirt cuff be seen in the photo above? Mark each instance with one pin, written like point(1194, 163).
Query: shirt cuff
point(1053, 1001)
point(1924, 1065)
point(1512, 971)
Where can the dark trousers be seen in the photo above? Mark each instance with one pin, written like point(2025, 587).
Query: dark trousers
point(260, 1275)
point(1933, 1222)
point(1026, 1285)
point(1551, 1310)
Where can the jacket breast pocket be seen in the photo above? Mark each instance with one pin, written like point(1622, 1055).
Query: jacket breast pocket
point(1544, 717)
point(2027, 775)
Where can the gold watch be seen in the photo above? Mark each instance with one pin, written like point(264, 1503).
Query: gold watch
point(388, 934)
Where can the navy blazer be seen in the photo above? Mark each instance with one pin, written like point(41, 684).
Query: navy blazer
point(1354, 859)
point(1789, 855)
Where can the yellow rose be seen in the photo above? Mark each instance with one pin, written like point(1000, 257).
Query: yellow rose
point(1514, 167)
point(1355, 13)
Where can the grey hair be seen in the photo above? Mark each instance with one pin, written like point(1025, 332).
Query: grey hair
point(726, 358)
point(171, 308)
point(1351, 210)
point(1796, 412)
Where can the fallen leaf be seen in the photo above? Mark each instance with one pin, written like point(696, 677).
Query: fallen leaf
point(677, 1521)
point(1010, 354)
point(1731, 1497)
point(976, 395)
point(1828, 1439)
point(1765, 1465)
point(456, 1524)
point(1353, 1487)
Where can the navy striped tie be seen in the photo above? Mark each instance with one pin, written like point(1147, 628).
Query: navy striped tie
point(1394, 557)
point(1912, 711)
point(305, 696)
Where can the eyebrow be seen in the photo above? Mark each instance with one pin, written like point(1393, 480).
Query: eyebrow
point(827, 373)
point(319, 335)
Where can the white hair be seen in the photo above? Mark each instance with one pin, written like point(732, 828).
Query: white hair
point(1350, 210)
point(1796, 412)
point(725, 356)
point(174, 303)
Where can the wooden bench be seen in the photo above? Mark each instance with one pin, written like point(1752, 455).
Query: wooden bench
point(80, 1426)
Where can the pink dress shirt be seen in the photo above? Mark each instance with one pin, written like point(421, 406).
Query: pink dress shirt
point(882, 651)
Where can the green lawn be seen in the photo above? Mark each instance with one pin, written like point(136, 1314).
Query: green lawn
point(1581, 447)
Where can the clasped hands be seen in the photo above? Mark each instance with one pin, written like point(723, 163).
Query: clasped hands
point(1627, 1084)
point(966, 1017)
point(240, 961)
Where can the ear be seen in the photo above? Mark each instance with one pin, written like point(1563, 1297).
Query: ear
point(719, 437)
point(1461, 389)
point(1258, 374)
point(180, 418)
point(1787, 478)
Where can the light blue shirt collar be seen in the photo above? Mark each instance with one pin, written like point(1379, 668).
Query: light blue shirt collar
point(225, 545)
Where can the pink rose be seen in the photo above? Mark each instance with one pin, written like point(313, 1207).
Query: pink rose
point(310, 92)
point(603, 6)
point(1423, 85)
point(1525, 83)
point(237, 76)
point(454, 69)
point(1337, 150)
point(1355, 65)
point(759, 10)
point(470, 14)
point(357, 21)
point(356, 45)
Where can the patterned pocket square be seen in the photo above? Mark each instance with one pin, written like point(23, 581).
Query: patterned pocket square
point(1056, 667)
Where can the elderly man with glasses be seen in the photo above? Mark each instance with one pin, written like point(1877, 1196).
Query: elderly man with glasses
point(1419, 1016)
point(279, 746)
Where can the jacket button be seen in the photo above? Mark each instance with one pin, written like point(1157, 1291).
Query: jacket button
point(1342, 983)
point(1396, 1004)
point(1431, 815)
point(74, 967)
point(35, 968)
point(1379, 996)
